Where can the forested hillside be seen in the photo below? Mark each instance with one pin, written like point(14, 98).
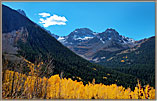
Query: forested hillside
point(138, 61)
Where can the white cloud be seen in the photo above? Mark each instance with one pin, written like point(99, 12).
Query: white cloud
point(53, 20)
point(44, 14)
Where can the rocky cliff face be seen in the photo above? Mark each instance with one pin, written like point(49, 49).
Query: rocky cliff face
point(10, 39)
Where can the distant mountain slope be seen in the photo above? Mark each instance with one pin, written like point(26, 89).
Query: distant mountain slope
point(138, 61)
point(143, 53)
point(94, 46)
point(22, 37)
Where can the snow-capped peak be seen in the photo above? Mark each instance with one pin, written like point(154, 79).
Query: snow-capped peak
point(81, 34)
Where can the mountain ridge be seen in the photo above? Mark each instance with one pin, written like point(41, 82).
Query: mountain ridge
point(86, 47)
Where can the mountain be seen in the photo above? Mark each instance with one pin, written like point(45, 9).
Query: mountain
point(138, 61)
point(21, 12)
point(96, 46)
point(143, 53)
point(79, 35)
point(76, 37)
point(23, 38)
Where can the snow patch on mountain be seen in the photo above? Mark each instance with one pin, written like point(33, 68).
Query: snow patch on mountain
point(85, 38)
point(131, 40)
point(95, 33)
point(62, 39)
point(103, 57)
point(127, 40)
point(102, 40)
point(96, 60)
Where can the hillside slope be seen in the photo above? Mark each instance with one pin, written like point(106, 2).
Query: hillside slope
point(138, 61)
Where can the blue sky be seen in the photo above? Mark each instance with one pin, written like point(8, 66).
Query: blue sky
point(131, 19)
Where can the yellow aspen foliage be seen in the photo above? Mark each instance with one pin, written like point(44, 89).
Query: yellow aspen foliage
point(125, 57)
point(79, 78)
point(94, 68)
point(32, 86)
point(108, 74)
point(104, 77)
point(93, 82)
